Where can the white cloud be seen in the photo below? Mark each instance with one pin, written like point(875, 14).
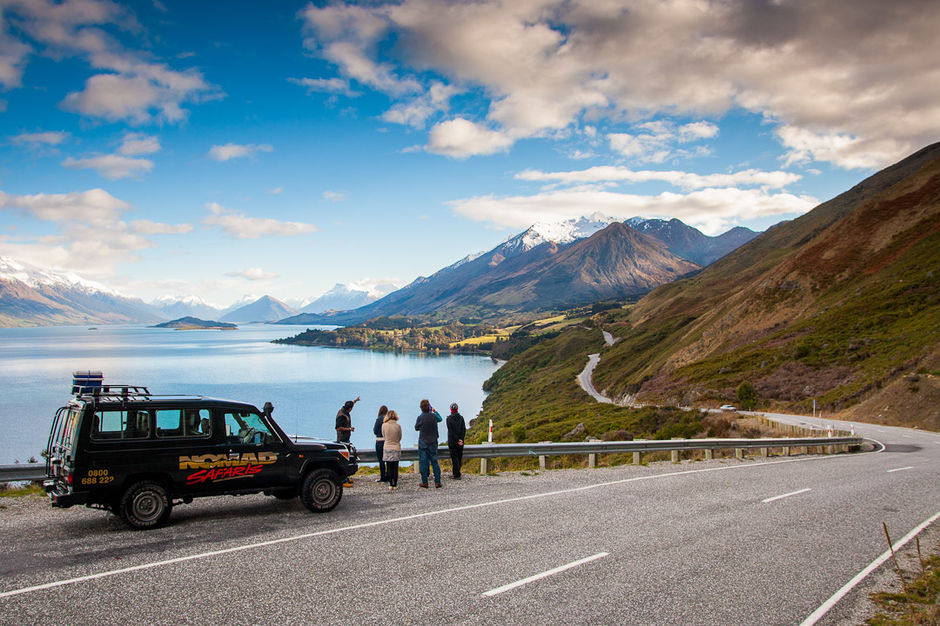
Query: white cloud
point(684, 180)
point(326, 85)
point(48, 138)
point(134, 144)
point(128, 86)
point(276, 191)
point(241, 226)
point(90, 233)
point(347, 36)
point(660, 139)
point(111, 166)
point(95, 206)
point(461, 138)
point(852, 83)
point(146, 227)
point(334, 196)
point(252, 273)
point(230, 151)
point(712, 210)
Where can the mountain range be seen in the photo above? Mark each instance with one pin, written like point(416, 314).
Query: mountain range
point(549, 265)
point(31, 296)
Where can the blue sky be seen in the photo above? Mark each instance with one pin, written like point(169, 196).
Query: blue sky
point(226, 148)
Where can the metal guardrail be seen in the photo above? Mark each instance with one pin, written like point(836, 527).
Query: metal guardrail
point(496, 450)
point(22, 472)
point(37, 471)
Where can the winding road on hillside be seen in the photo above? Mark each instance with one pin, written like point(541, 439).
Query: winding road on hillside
point(715, 542)
point(585, 378)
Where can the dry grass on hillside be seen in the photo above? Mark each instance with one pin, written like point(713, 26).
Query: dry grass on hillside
point(911, 400)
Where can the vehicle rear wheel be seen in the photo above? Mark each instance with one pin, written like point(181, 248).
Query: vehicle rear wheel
point(146, 504)
point(321, 491)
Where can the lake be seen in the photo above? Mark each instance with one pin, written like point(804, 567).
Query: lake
point(306, 385)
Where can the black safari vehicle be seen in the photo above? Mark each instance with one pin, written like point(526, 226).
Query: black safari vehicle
point(122, 449)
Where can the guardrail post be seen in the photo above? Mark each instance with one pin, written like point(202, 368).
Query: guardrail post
point(739, 453)
point(636, 458)
point(765, 452)
point(543, 458)
point(675, 456)
point(785, 450)
point(709, 454)
point(484, 466)
point(592, 457)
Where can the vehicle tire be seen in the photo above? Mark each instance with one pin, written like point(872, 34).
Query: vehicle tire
point(146, 504)
point(321, 491)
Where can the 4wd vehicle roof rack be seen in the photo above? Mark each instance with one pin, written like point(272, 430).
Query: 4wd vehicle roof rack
point(113, 392)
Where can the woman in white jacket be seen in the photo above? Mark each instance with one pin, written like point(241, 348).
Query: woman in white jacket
point(391, 454)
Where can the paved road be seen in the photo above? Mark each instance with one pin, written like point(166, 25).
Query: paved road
point(721, 542)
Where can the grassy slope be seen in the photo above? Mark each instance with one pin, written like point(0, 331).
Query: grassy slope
point(833, 305)
point(535, 397)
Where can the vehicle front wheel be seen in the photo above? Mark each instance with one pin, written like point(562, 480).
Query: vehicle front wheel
point(146, 505)
point(321, 491)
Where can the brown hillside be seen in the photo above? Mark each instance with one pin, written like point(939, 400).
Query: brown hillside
point(843, 298)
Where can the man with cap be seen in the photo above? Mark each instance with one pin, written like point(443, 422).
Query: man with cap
point(344, 427)
point(456, 430)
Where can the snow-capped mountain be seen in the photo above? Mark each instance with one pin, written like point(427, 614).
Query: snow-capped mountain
point(264, 309)
point(32, 276)
point(352, 296)
point(34, 296)
point(175, 307)
point(555, 232)
point(539, 268)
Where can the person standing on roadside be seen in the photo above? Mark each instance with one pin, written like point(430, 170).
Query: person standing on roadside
point(344, 427)
point(426, 425)
point(456, 430)
point(380, 443)
point(391, 451)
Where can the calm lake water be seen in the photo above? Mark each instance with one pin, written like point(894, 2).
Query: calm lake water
point(307, 385)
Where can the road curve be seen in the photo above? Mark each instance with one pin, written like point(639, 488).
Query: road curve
point(724, 541)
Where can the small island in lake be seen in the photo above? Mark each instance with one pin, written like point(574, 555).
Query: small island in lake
point(194, 323)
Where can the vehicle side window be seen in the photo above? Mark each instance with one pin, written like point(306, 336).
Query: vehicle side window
point(247, 428)
point(109, 425)
point(183, 423)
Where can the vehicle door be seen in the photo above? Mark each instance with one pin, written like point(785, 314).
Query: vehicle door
point(117, 442)
point(254, 454)
point(185, 445)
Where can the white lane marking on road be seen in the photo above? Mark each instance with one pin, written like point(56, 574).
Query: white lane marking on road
point(901, 469)
point(825, 607)
point(551, 572)
point(333, 531)
point(786, 495)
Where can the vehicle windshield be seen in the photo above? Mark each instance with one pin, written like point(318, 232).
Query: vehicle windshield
point(246, 427)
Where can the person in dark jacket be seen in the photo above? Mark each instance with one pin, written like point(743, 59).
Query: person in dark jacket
point(380, 444)
point(344, 427)
point(456, 430)
point(426, 425)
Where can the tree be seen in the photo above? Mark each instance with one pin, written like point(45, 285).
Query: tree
point(747, 396)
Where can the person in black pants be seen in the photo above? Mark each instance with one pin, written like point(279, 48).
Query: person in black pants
point(456, 430)
point(380, 444)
